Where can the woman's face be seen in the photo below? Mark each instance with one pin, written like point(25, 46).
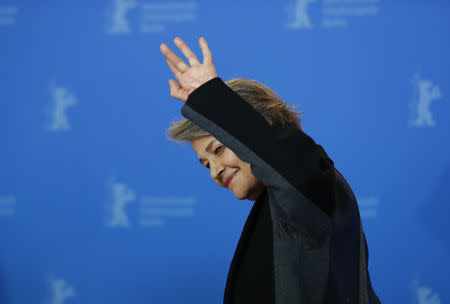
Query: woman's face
point(225, 167)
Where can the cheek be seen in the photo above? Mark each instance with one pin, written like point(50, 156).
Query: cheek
point(232, 160)
point(246, 174)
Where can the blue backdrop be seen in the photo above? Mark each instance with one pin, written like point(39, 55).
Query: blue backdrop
point(97, 205)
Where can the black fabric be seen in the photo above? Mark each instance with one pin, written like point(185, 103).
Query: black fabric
point(253, 280)
point(318, 246)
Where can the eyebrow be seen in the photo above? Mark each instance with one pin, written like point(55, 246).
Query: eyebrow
point(208, 149)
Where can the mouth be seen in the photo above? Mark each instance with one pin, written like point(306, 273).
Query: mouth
point(230, 178)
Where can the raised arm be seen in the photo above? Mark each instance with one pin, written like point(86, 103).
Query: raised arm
point(296, 171)
point(288, 151)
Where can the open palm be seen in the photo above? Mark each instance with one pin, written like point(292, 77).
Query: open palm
point(189, 77)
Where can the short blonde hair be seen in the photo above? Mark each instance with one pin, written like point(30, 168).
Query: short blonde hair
point(263, 99)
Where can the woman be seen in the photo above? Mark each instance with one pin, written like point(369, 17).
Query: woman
point(303, 241)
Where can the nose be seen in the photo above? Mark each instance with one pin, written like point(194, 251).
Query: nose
point(216, 170)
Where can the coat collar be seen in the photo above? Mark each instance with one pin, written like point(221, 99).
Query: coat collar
point(243, 240)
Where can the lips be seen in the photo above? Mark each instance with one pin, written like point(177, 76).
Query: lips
point(228, 181)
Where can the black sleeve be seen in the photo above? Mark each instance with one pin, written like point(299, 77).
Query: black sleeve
point(294, 168)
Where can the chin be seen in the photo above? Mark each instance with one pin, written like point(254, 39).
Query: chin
point(240, 196)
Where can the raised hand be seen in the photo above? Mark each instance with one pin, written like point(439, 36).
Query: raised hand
point(189, 77)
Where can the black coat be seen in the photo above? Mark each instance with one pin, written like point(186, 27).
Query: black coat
point(317, 249)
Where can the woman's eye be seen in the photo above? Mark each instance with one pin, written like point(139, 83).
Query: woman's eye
point(219, 148)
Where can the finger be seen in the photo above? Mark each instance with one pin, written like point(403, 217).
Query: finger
point(176, 90)
point(207, 55)
point(173, 58)
point(191, 57)
point(175, 71)
point(174, 87)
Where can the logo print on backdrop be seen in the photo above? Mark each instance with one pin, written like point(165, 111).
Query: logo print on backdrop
point(334, 13)
point(60, 291)
point(62, 99)
point(300, 18)
point(424, 93)
point(155, 210)
point(118, 23)
point(7, 205)
point(424, 294)
point(153, 17)
point(121, 195)
point(8, 15)
point(152, 211)
point(368, 207)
